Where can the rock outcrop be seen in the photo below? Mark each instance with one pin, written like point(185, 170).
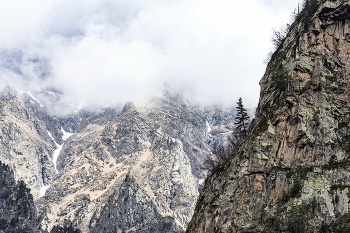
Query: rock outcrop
point(291, 173)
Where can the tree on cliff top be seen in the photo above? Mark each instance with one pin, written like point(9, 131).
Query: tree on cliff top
point(242, 118)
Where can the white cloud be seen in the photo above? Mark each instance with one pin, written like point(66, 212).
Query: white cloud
point(104, 52)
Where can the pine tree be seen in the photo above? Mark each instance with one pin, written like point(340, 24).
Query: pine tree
point(242, 118)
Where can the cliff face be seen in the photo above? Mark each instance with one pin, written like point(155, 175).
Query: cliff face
point(25, 144)
point(138, 172)
point(17, 209)
point(291, 173)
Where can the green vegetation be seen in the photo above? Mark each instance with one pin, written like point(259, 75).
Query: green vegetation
point(280, 167)
point(343, 130)
point(261, 127)
point(293, 192)
point(340, 225)
point(222, 154)
point(242, 118)
point(334, 164)
point(331, 78)
point(309, 7)
point(280, 79)
point(307, 86)
point(339, 186)
point(342, 124)
point(304, 15)
point(295, 219)
point(296, 188)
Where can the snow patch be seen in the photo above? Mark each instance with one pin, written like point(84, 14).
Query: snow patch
point(201, 181)
point(32, 96)
point(43, 190)
point(52, 93)
point(208, 127)
point(48, 132)
point(56, 154)
point(66, 135)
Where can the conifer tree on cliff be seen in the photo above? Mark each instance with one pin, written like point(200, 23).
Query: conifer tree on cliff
point(242, 118)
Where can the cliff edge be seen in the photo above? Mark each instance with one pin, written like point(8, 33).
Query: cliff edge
point(291, 173)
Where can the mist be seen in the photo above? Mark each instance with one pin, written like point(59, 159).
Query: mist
point(104, 52)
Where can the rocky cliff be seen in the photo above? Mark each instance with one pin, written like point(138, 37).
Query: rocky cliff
point(291, 173)
point(136, 172)
point(25, 144)
point(133, 170)
point(17, 209)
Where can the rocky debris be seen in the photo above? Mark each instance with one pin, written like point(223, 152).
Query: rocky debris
point(17, 209)
point(25, 144)
point(291, 172)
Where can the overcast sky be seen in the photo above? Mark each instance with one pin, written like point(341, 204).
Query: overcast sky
point(111, 51)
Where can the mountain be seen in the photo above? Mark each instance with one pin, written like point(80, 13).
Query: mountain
point(291, 173)
point(140, 165)
point(138, 169)
point(135, 169)
point(25, 144)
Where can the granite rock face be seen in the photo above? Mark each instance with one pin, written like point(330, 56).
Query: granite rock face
point(291, 173)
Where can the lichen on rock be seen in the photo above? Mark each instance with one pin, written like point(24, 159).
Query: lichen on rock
point(291, 172)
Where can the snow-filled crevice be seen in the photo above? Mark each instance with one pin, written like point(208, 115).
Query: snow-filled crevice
point(43, 190)
point(66, 135)
point(208, 127)
point(56, 153)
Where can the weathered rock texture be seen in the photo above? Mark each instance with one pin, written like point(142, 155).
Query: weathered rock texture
point(17, 209)
point(138, 172)
point(291, 173)
point(25, 144)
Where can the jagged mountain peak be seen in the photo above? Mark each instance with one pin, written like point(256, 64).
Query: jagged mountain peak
point(9, 93)
point(129, 106)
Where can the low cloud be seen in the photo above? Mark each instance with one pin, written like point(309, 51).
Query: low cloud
point(104, 52)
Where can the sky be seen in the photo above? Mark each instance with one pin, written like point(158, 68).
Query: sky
point(107, 52)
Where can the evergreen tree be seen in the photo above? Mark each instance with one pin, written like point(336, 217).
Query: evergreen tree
point(242, 118)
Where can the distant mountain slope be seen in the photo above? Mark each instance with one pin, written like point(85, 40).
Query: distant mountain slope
point(140, 165)
point(142, 168)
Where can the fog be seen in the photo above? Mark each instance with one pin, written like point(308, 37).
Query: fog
point(104, 52)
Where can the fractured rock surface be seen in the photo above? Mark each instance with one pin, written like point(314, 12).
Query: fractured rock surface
point(138, 172)
point(291, 173)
